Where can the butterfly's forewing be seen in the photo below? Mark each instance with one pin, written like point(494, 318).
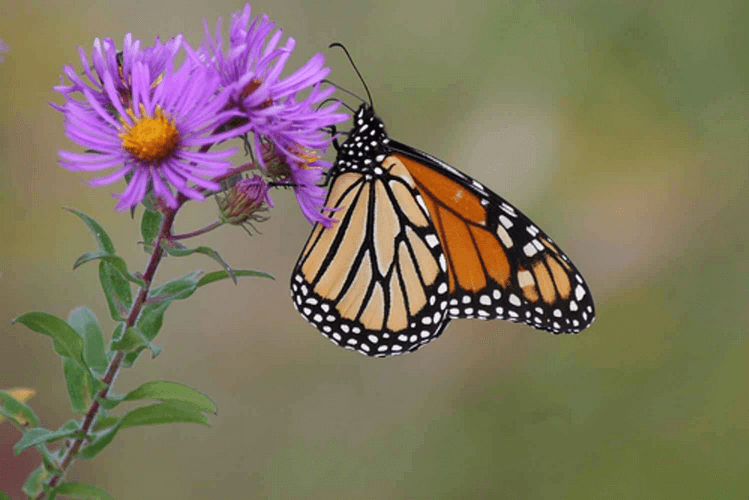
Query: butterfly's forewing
point(376, 280)
point(501, 265)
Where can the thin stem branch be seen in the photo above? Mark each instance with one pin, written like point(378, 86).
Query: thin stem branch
point(210, 227)
point(116, 363)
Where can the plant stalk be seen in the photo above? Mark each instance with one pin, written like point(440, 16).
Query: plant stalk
point(116, 362)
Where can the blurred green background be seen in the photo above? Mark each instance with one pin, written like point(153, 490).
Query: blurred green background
point(620, 127)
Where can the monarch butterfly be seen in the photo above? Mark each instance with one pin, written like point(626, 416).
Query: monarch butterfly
point(419, 243)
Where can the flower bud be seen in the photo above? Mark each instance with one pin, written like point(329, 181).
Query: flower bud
point(244, 200)
point(275, 164)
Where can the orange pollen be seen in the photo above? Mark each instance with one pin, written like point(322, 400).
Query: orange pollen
point(151, 138)
point(308, 155)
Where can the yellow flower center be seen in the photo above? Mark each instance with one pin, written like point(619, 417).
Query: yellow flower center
point(150, 138)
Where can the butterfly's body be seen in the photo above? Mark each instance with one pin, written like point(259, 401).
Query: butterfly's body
point(418, 243)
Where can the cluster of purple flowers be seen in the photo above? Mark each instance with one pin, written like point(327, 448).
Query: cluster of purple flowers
point(153, 123)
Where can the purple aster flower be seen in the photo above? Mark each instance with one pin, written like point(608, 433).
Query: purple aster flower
point(303, 175)
point(269, 104)
point(151, 143)
point(309, 195)
point(3, 49)
point(107, 60)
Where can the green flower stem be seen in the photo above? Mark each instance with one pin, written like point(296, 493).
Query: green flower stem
point(115, 364)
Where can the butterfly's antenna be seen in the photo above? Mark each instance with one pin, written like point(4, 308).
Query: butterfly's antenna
point(331, 129)
point(333, 99)
point(351, 60)
point(343, 90)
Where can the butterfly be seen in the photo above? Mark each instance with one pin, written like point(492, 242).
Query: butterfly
point(417, 243)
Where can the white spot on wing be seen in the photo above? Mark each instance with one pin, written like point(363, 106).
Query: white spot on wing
point(504, 236)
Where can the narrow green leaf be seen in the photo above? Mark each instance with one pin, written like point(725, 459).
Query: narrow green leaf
point(222, 275)
point(150, 225)
point(116, 290)
point(129, 340)
point(177, 289)
point(35, 482)
point(118, 331)
point(115, 260)
point(183, 252)
point(101, 440)
point(65, 336)
point(103, 242)
point(135, 279)
point(165, 390)
point(132, 339)
point(17, 411)
point(39, 435)
point(132, 357)
point(105, 422)
point(79, 383)
point(84, 321)
point(152, 316)
point(80, 490)
point(161, 413)
point(4, 496)
point(50, 459)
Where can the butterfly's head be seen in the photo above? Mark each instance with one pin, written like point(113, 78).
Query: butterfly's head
point(366, 140)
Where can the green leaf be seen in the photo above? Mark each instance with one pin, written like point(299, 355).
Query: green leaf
point(222, 275)
point(132, 339)
point(106, 422)
point(152, 315)
point(4, 496)
point(103, 242)
point(162, 413)
point(183, 252)
point(165, 390)
point(132, 357)
point(115, 260)
point(65, 336)
point(18, 412)
point(116, 289)
point(79, 383)
point(80, 490)
point(177, 289)
point(101, 440)
point(159, 413)
point(84, 321)
point(35, 482)
point(150, 225)
point(39, 435)
point(50, 459)
point(129, 340)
